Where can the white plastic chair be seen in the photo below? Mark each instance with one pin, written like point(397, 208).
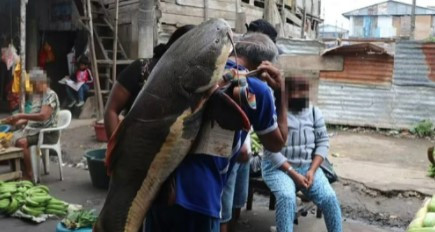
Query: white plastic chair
point(64, 119)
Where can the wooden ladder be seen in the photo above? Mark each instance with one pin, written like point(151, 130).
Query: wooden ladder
point(104, 37)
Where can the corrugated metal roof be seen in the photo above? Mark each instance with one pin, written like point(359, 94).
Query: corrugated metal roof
point(300, 47)
point(414, 64)
point(389, 8)
point(365, 48)
point(384, 107)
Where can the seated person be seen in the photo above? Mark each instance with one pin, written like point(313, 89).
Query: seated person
point(45, 106)
point(296, 166)
point(81, 77)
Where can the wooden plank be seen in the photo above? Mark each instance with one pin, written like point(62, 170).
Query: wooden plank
point(310, 74)
point(331, 63)
point(213, 4)
point(293, 18)
point(195, 11)
point(10, 176)
point(16, 155)
point(183, 20)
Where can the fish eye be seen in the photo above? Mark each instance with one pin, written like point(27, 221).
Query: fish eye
point(217, 41)
point(218, 28)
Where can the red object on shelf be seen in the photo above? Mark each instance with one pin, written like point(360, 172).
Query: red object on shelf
point(100, 132)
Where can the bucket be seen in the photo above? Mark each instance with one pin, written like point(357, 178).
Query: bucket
point(97, 169)
point(61, 228)
point(100, 132)
point(4, 128)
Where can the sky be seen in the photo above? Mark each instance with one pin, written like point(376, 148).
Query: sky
point(332, 10)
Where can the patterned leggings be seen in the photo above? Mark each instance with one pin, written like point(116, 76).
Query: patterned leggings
point(283, 187)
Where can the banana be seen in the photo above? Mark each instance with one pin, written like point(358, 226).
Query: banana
point(13, 206)
point(41, 198)
point(57, 207)
point(30, 202)
point(5, 195)
point(54, 201)
point(42, 187)
point(60, 213)
point(4, 204)
point(32, 211)
point(26, 183)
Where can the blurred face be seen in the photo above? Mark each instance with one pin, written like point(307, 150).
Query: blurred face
point(39, 86)
point(298, 92)
point(82, 66)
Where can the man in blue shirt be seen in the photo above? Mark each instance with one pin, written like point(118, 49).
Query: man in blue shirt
point(200, 178)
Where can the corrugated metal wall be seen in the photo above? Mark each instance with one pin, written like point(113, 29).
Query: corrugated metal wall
point(410, 98)
point(414, 64)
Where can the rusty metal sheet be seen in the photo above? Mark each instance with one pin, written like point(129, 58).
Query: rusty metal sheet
point(414, 64)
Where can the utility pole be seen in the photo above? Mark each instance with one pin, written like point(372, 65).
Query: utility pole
point(413, 20)
point(23, 6)
point(146, 20)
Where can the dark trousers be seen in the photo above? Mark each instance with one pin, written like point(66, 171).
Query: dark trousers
point(178, 219)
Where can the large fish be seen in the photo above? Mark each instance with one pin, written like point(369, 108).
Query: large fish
point(164, 120)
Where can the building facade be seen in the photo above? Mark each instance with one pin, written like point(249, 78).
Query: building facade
point(391, 19)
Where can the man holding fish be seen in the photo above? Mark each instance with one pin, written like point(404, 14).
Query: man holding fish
point(199, 180)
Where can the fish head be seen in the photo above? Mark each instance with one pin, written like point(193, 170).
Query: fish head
point(203, 51)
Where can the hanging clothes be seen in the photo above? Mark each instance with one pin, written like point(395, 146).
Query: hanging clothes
point(17, 80)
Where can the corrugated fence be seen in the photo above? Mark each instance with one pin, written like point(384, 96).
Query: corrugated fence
point(409, 99)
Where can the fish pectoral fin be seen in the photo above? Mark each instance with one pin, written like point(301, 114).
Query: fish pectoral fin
point(192, 124)
point(226, 112)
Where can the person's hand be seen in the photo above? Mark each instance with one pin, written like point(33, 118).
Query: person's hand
point(244, 155)
point(310, 177)
point(12, 120)
point(300, 180)
point(271, 75)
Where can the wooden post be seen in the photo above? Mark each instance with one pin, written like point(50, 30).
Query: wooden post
point(412, 36)
point(115, 41)
point(146, 21)
point(206, 10)
point(23, 4)
point(240, 18)
point(283, 18)
point(304, 18)
point(94, 64)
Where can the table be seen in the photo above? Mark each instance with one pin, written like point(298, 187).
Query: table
point(14, 155)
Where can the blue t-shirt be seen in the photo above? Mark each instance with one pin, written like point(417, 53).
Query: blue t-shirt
point(200, 179)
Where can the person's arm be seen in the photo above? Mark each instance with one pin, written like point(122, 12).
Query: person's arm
point(276, 139)
point(321, 144)
point(118, 99)
point(43, 115)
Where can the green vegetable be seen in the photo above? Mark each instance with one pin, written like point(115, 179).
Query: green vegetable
point(256, 146)
point(80, 219)
point(431, 206)
point(416, 223)
point(429, 220)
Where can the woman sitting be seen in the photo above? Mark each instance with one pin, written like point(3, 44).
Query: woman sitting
point(296, 167)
